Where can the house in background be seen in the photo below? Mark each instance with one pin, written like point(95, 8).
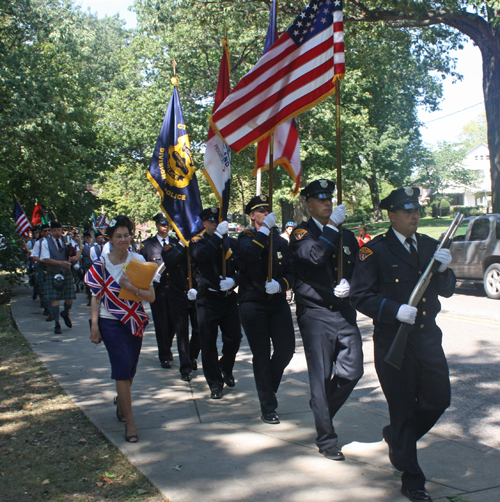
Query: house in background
point(476, 159)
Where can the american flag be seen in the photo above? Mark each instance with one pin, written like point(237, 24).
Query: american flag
point(286, 150)
point(128, 312)
point(298, 72)
point(22, 223)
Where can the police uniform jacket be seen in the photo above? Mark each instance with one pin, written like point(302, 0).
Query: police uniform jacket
point(151, 250)
point(315, 259)
point(175, 259)
point(252, 261)
point(206, 254)
point(386, 275)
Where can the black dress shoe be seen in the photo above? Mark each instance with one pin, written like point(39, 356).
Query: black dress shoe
point(194, 364)
point(216, 394)
point(333, 453)
point(416, 495)
point(186, 377)
point(57, 329)
point(270, 418)
point(166, 364)
point(50, 317)
point(387, 434)
point(228, 379)
point(66, 319)
point(170, 358)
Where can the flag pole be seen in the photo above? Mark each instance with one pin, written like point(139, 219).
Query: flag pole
point(271, 180)
point(339, 180)
point(175, 82)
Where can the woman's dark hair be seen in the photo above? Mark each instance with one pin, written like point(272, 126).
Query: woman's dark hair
point(119, 221)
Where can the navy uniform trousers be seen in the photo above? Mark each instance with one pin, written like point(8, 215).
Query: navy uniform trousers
point(216, 309)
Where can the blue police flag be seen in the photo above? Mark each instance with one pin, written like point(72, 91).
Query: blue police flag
point(171, 172)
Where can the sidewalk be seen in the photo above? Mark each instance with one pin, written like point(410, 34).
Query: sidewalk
point(195, 449)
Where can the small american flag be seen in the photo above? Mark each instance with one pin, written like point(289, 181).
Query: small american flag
point(22, 223)
point(297, 72)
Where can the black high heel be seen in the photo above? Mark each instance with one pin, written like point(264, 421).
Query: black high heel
point(119, 416)
point(130, 439)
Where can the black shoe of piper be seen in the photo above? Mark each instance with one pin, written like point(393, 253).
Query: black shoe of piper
point(57, 329)
point(66, 319)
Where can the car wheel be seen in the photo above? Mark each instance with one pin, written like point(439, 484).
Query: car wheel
point(492, 281)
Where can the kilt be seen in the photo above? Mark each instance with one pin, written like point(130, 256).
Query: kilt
point(40, 280)
point(122, 346)
point(67, 293)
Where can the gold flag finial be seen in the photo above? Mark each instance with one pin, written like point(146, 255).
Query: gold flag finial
point(174, 79)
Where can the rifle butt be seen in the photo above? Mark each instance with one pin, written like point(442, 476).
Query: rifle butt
point(397, 350)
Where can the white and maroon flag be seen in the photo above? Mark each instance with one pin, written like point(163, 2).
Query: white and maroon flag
point(295, 74)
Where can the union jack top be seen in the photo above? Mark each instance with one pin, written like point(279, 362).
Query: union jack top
point(130, 313)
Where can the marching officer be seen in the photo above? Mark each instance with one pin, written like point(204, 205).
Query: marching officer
point(325, 317)
point(164, 328)
point(385, 275)
point(265, 312)
point(182, 309)
point(216, 302)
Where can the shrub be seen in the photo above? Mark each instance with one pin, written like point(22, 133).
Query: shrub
point(440, 208)
point(469, 210)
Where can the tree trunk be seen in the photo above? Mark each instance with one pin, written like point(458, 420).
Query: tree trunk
point(491, 89)
point(287, 212)
point(375, 196)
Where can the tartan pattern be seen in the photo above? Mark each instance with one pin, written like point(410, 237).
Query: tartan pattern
point(130, 313)
point(52, 294)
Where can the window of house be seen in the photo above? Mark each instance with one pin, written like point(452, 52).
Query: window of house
point(480, 230)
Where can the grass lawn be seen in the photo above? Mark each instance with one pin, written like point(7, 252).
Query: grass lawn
point(433, 227)
point(49, 450)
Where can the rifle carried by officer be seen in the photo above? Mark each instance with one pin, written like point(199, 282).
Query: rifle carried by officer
point(397, 350)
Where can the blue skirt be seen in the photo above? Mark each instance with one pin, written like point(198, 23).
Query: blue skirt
point(122, 346)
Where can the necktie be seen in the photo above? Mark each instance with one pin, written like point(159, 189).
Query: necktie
point(164, 243)
point(413, 250)
point(59, 245)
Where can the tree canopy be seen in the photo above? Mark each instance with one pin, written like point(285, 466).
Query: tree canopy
point(82, 99)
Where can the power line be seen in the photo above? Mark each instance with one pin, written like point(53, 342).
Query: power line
point(454, 113)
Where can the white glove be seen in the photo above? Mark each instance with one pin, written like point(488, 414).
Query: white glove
point(407, 314)
point(182, 244)
point(341, 290)
point(443, 256)
point(192, 294)
point(157, 277)
point(338, 215)
point(273, 287)
point(227, 284)
point(222, 228)
point(270, 220)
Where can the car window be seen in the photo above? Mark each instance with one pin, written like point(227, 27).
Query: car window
point(461, 231)
point(480, 230)
point(497, 228)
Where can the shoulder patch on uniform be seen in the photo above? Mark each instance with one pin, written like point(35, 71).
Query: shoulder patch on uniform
point(196, 238)
point(364, 253)
point(298, 233)
point(248, 233)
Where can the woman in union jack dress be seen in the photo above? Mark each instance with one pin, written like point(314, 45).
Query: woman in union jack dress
point(119, 323)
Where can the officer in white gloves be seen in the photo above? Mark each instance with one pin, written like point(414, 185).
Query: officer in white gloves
point(265, 313)
point(385, 275)
point(216, 300)
point(325, 317)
